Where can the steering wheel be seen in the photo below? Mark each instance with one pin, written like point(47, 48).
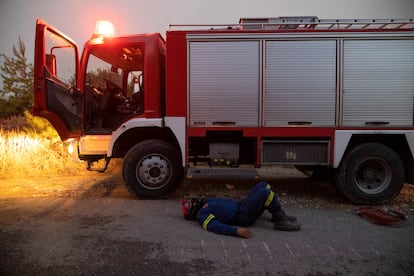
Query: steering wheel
point(115, 90)
point(111, 85)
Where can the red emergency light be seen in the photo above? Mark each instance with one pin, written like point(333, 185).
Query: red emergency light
point(104, 28)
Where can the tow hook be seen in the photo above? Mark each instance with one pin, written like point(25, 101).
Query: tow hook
point(92, 163)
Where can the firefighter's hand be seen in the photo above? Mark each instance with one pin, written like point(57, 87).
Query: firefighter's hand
point(244, 233)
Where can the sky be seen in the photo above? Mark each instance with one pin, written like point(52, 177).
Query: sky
point(76, 18)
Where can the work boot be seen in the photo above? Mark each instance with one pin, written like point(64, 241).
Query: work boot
point(291, 218)
point(282, 222)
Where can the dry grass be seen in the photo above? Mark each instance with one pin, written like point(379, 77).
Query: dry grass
point(35, 162)
point(27, 153)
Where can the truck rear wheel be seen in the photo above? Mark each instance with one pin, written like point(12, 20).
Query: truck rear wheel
point(152, 169)
point(371, 174)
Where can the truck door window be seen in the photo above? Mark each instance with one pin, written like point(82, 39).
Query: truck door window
point(62, 96)
point(60, 59)
point(99, 70)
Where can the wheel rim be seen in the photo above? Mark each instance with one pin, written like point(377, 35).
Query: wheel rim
point(373, 175)
point(153, 172)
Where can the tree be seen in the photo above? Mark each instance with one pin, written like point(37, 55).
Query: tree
point(17, 76)
point(4, 108)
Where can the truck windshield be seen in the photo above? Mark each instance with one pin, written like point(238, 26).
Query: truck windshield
point(99, 70)
point(113, 86)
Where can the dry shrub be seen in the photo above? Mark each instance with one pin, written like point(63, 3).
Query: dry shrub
point(28, 124)
point(31, 155)
point(29, 146)
point(14, 123)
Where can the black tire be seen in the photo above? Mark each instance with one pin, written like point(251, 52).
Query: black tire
point(152, 169)
point(371, 174)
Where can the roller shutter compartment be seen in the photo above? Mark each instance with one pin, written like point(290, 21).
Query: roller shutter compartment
point(224, 83)
point(300, 83)
point(378, 86)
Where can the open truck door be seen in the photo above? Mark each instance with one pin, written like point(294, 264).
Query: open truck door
point(56, 96)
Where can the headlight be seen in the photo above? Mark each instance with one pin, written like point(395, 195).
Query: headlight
point(73, 149)
point(70, 149)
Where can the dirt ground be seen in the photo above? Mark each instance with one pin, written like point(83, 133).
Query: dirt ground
point(293, 188)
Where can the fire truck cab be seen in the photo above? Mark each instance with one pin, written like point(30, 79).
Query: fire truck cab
point(332, 96)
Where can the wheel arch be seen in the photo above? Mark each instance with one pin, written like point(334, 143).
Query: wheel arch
point(138, 134)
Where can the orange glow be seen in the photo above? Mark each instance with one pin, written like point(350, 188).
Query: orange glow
point(104, 28)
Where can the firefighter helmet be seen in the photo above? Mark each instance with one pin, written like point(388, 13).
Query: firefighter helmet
point(190, 207)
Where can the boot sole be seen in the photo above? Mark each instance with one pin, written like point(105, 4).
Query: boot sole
point(287, 228)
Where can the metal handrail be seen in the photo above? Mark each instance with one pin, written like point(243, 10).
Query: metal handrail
point(304, 23)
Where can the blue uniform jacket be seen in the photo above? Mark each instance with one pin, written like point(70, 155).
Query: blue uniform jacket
point(219, 216)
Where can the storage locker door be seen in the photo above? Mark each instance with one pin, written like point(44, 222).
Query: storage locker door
point(378, 84)
point(224, 83)
point(300, 83)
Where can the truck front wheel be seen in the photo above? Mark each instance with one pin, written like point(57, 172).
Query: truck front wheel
point(371, 174)
point(152, 169)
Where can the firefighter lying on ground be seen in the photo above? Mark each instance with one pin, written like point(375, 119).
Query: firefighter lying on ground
point(229, 217)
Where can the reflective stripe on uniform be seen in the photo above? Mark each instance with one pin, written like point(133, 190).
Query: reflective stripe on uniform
point(207, 221)
point(268, 186)
point(269, 198)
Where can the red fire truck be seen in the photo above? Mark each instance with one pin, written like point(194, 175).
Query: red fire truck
point(329, 96)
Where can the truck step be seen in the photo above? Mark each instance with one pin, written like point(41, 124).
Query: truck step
point(211, 172)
